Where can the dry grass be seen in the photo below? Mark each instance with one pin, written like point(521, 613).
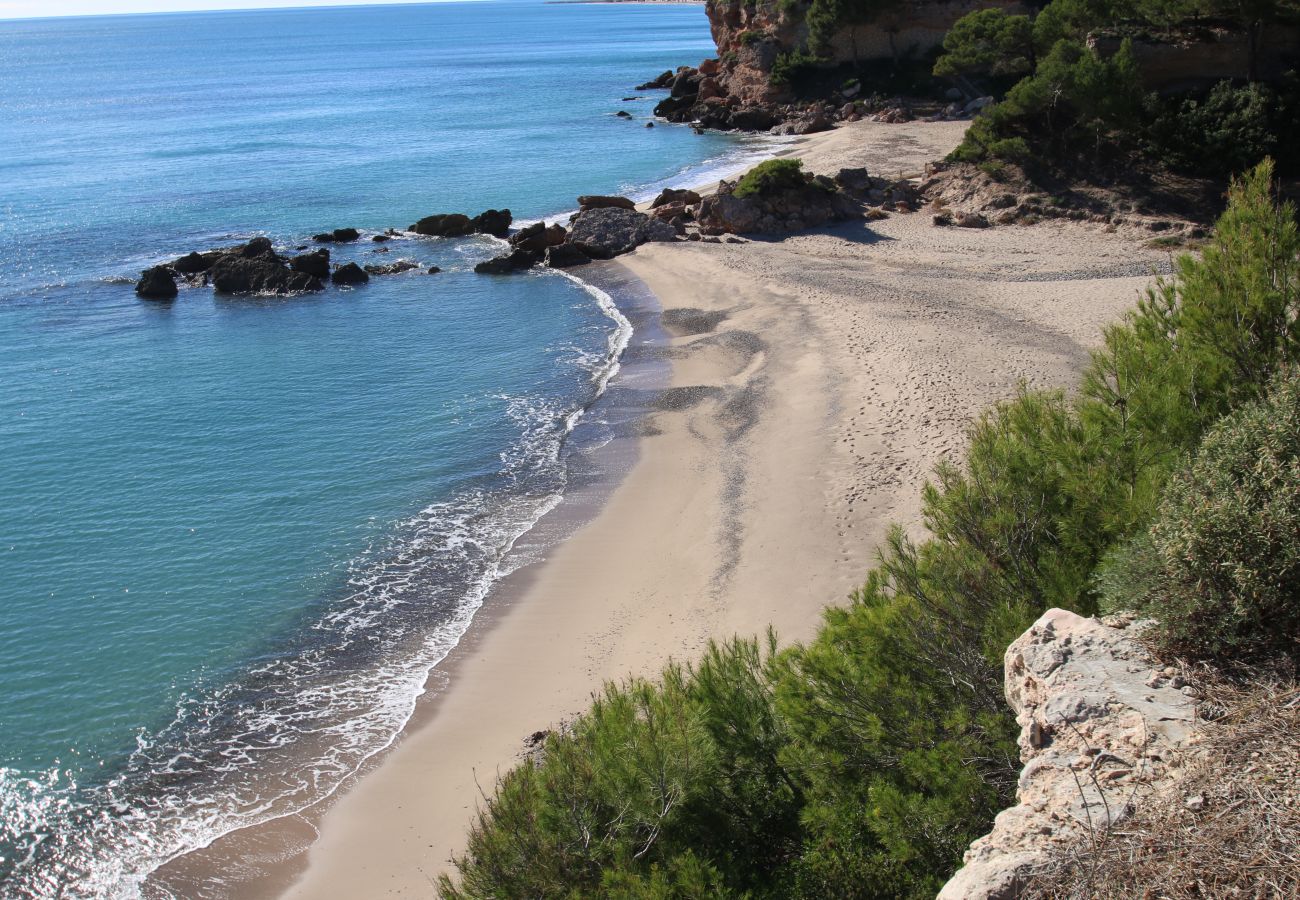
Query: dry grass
point(1231, 828)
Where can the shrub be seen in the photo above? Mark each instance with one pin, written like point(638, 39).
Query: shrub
point(1219, 569)
point(988, 42)
point(770, 176)
point(749, 37)
point(790, 67)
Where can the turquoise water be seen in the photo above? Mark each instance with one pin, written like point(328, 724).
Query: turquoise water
point(236, 532)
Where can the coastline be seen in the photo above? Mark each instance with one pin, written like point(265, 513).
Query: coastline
point(815, 382)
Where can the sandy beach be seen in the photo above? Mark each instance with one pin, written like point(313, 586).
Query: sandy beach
point(815, 381)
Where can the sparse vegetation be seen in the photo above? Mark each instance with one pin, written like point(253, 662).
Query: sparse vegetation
point(771, 176)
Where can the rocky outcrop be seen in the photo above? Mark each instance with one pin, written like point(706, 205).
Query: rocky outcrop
point(565, 256)
point(538, 237)
point(402, 265)
point(736, 89)
point(1103, 726)
point(157, 283)
point(596, 201)
point(607, 232)
point(351, 273)
point(514, 261)
point(337, 236)
point(317, 263)
point(495, 222)
point(817, 201)
point(256, 268)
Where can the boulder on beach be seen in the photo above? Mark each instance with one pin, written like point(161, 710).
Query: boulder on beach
point(675, 195)
point(351, 273)
point(564, 256)
point(316, 263)
point(157, 283)
point(495, 222)
point(402, 265)
point(597, 201)
point(606, 232)
point(444, 225)
point(538, 236)
point(337, 236)
point(514, 261)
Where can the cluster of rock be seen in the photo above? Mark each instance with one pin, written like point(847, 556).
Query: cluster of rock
point(256, 268)
point(603, 227)
point(965, 194)
point(495, 222)
point(851, 194)
point(1103, 729)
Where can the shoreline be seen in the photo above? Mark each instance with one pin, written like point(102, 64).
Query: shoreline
point(794, 431)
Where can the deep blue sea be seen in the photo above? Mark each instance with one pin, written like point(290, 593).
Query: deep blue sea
point(236, 533)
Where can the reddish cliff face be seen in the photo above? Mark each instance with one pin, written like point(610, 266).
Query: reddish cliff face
point(750, 36)
point(736, 89)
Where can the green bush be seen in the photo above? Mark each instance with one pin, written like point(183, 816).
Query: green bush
point(1075, 102)
point(988, 42)
point(1227, 129)
point(1219, 569)
point(749, 36)
point(790, 67)
point(771, 176)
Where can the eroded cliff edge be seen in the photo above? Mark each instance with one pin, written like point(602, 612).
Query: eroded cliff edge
point(1104, 727)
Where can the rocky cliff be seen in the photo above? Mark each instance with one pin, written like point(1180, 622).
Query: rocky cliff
point(1104, 728)
point(737, 88)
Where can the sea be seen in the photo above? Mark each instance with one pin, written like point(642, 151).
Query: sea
point(237, 533)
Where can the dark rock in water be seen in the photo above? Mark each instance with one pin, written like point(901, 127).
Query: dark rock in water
point(158, 283)
point(434, 270)
point(597, 201)
point(564, 256)
point(663, 81)
point(380, 238)
point(630, 99)
point(258, 246)
point(623, 114)
point(402, 265)
point(674, 195)
point(538, 236)
point(241, 273)
point(671, 106)
point(649, 124)
point(350, 274)
point(197, 263)
point(444, 225)
point(316, 264)
point(337, 236)
point(606, 232)
point(495, 222)
point(514, 261)
point(752, 118)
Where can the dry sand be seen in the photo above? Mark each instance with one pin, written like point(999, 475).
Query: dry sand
point(816, 380)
